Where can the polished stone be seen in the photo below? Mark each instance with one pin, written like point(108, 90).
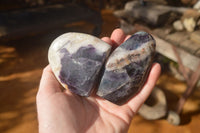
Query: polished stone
point(76, 60)
point(127, 68)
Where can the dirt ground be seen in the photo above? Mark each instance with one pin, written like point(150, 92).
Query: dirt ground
point(21, 64)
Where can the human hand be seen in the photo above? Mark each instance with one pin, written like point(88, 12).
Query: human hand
point(64, 112)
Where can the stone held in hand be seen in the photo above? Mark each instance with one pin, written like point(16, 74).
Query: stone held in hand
point(76, 60)
point(127, 68)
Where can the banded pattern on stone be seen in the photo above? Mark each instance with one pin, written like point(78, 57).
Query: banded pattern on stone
point(76, 60)
point(127, 68)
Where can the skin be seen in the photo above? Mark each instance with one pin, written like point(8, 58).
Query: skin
point(62, 112)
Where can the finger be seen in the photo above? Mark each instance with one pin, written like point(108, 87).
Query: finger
point(118, 37)
point(135, 103)
point(107, 40)
point(48, 83)
point(127, 37)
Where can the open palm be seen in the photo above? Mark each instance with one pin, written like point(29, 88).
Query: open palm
point(62, 112)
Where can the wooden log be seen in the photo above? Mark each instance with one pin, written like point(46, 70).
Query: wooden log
point(195, 36)
point(153, 14)
point(165, 48)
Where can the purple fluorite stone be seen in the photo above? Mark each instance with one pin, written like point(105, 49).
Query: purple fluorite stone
point(127, 68)
point(76, 60)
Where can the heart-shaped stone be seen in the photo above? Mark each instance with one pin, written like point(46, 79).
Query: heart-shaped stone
point(76, 60)
point(127, 68)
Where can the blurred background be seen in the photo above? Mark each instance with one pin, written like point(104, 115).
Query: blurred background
point(27, 28)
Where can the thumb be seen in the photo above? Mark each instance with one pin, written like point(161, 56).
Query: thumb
point(135, 103)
